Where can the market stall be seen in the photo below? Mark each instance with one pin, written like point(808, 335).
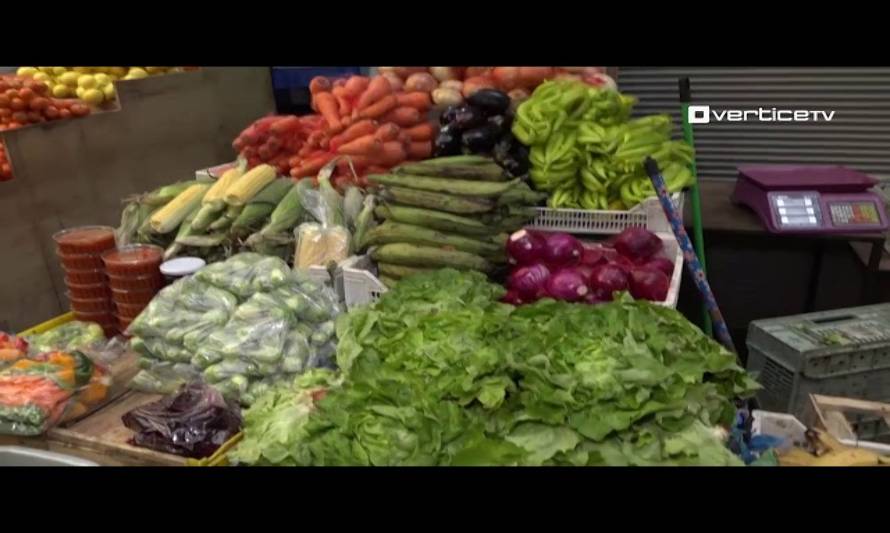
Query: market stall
point(440, 266)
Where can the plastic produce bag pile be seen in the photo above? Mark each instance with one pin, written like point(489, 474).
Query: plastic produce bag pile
point(74, 335)
point(194, 422)
point(241, 325)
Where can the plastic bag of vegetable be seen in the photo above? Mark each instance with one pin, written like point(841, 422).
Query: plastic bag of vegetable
point(246, 273)
point(163, 377)
point(74, 335)
point(194, 422)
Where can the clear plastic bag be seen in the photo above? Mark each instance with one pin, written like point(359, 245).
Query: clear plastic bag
point(75, 335)
point(227, 368)
point(296, 352)
point(246, 273)
point(318, 245)
point(163, 377)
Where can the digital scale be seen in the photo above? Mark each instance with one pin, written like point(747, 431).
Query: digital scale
point(811, 199)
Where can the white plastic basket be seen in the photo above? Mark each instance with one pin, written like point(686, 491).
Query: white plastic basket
point(361, 286)
point(647, 214)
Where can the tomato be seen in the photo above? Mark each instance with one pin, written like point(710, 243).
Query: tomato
point(34, 116)
point(65, 113)
point(13, 125)
point(26, 94)
point(11, 93)
point(80, 110)
point(51, 112)
point(38, 103)
point(4, 112)
point(20, 116)
point(3, 86)
point(5, 170)
point(17, 104)
point(4, 100)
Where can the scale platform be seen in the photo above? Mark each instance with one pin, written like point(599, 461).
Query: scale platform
point(811, 199)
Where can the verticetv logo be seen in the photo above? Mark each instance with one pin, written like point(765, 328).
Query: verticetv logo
point(703, 114)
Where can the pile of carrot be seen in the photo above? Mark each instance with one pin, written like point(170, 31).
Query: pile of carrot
point(362, 120)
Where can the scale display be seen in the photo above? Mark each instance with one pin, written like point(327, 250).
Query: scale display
point(854, 213)
point(796, 211)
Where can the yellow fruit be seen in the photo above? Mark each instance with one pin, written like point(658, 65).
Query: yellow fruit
point(42, 76)
point(110, 92)
point(86, 81)
point(93, 97)
point(102, 79)
point(155, 70)
point(136, 73)
point(48, 70)
point(117, 71)
point(69, 79)
point(79, 92)
point(26, 71)
point(81, 70)
point(58, 71)
point(62, 91)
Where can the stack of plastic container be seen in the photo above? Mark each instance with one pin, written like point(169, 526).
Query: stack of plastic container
point(135, 277)
point(80, 251)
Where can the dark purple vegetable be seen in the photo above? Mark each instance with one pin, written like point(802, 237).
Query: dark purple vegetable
point(526, 247)
point(447, 116)
point(593, 256)
point(501, 150)
point(606, 279)
point(649, 284)
point(467, 117)
point(193, 422)
point(447, 142)
point(481, 139)
point(491, 101)
point(562, 249)
point(502, 123)
point(529, 281)
point(660, 263)
point(637, 243)
point(567, 285)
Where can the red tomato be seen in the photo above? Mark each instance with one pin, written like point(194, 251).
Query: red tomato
point(65, 113)
point(5, 112)
point(11, 93)
point(4, 100)
point(26, 94)
point(13, 125)
point(51, 112)
point(20, 116)
point(34, 116)
point(38, 103)
point(17, 104)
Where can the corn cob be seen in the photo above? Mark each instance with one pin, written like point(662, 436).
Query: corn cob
point(249, 185)
point(171, 215)
point(214, 201)
point(289, 210)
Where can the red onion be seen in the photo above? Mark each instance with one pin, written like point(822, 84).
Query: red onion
point(607, 279)
point(529, 281)
point(593, 256)
point(660, 263)
point(586, 272)
point(567, 285)
point(562, 249)
point(623, 263)
point(512, 298)
point(649, 284)
point(526, 247)
point(638, 243)
point(594, 298)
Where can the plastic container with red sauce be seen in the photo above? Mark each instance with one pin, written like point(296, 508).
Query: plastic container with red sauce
point(103, 318)
point(111, 329)
point(85, 239)
point(152, 282)
point(132, 297)
point(133, 260)
point(81, 261)
point(90, 305)
point(123, 323)
point(129, 311)
point(85, 277)
point(86, 292)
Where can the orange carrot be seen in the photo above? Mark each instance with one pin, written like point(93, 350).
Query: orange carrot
point(392, 154)
point(377, 89)
point(327, 106)
point(356, 85)
point(311, 165)
point(319, 84)
point(359, 129)
point(403, 116)
point(343, 103)
point(420, 150)
point(314, 139)
point(294, 161)
point(358, 162)
point(365, 145)
point(387, 132)
point(418, 100)
point(424, 131)
point(380, 107)
point(325, 142)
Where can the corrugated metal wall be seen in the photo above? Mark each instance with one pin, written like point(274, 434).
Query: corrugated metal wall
point(858, 136)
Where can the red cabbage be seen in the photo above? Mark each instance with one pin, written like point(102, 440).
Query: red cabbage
point(649, 284)
point(607, 279)
point(638, 243)
point(529, 281)
point(525, 247)
point(660, 263)
point(567, 285)
point(562, 249)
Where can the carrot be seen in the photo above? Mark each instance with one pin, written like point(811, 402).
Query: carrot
point(325, 142)
point(295, 161)
point(343, 103)
point(319, 84)
point(418, 100)
point(359, 129)
point(315, 138)
point(387, 132)
point(358, 162)
point(424, 131)
point(327, 106)
point(380, 107)
point(356, 85)
point(286, 124)
point(420, 150)
point(403, 116)
point(364, 145)
point(305, 151)
point(377, 89)
point(311, 165)
point(392, 154)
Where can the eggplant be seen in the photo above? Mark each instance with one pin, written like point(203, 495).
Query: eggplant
point(448, 142)
point(519, 152)
point(502, 149)
point(514, 167)
point(490, 101)
point(501, 122)
point(467, 117)
point(448, 115)
point(481, 139)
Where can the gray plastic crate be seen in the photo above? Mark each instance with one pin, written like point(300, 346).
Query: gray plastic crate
point(845, 352)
